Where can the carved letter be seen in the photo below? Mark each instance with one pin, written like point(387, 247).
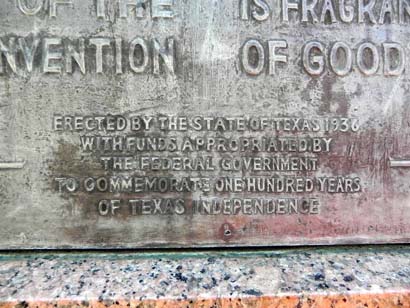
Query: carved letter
point(162, 8)
point(140, 68)
point(398, 68)
point(361, 61)
point(404, 8)
point(28, 52)
point(366, 9)
point(166, 55)
point(137, 4)
point(262, 11)
point(48, 55)
point(248, 67)
point(387, 8)
point(10, 54)
point(77, 56)
point(286, 6)
point(341, 71)
point(273, 57)
point(309, 8)
point(328, 7)
point(99, 43)
point(30, 10)
point(118, 56)
point(313, 65)
point(346, 12)
point(101, 8)
point(54, 3)
point(244, 10)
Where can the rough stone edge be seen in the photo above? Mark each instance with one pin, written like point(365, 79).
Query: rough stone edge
point(388, 299)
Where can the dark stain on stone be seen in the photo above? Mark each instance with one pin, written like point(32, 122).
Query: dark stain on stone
point(226, 232)
point(82, 207)
point(252, 292)
point(331, 96)
point(348, 278)
point(319, 276)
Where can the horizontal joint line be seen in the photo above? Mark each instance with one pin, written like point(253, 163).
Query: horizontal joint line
point(12, 165)
point(399, 163)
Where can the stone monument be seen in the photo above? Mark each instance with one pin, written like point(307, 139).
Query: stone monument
point(168, 124)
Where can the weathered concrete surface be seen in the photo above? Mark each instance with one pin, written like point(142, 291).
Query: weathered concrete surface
point(344, 277)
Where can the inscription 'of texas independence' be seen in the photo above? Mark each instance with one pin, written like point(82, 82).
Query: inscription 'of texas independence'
point(166, 123)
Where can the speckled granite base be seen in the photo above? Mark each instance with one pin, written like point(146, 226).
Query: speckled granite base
point(332, 277)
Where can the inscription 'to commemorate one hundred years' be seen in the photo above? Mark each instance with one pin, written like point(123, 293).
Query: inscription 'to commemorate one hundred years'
point(168, 123)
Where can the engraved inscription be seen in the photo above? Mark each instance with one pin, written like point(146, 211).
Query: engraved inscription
point(328, 11)
point(256, 55)
point(57, 56)
point(272, 164)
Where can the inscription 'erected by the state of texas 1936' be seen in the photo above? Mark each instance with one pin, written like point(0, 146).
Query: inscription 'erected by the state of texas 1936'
point(162, 123)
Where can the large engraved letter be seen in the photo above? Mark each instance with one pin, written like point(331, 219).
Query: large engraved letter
point(54, 3)
point(32, 10)
point(393, 68)
point(78, 56)
point(167, 55)
point(314, 65)
point(274, 57)
point(361, 61)
point(259, 55)
point(99, 44)
point(144, 58)
point(10, 54)
point(28, 52)
point(48, 55)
